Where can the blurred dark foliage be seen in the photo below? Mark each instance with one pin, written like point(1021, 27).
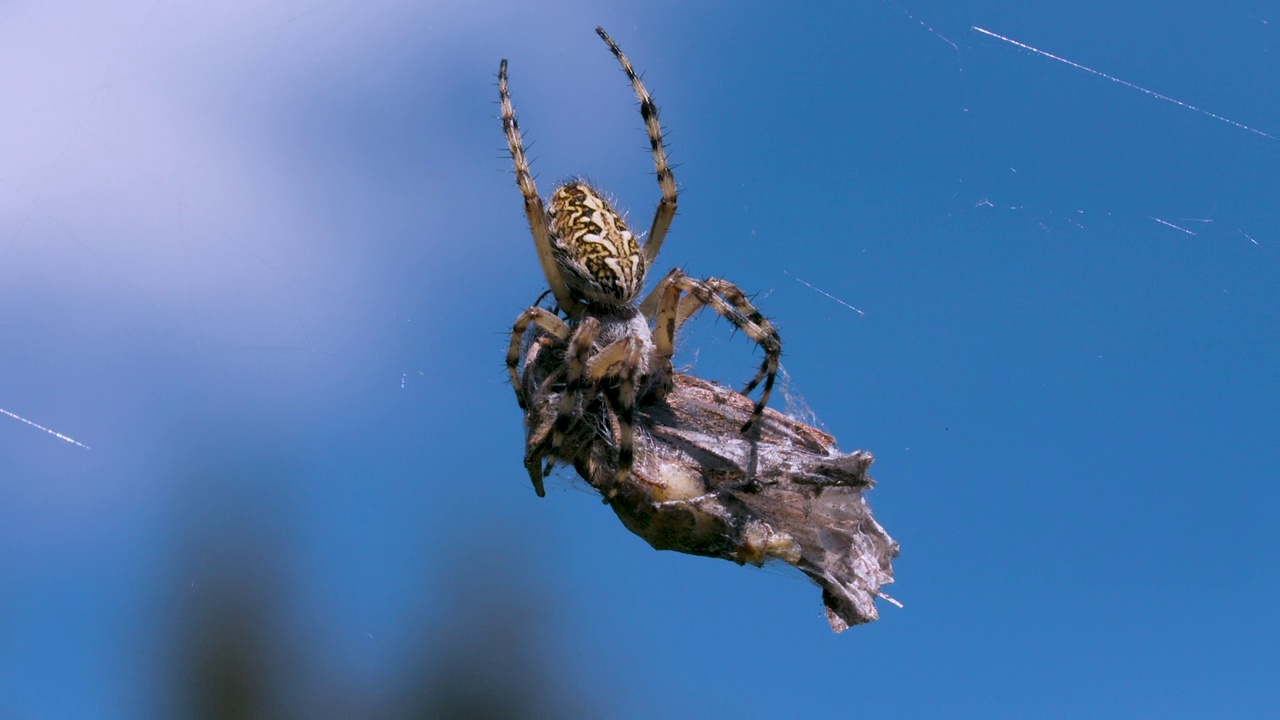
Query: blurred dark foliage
point(235, 654)
point(231, 655)
point(492, 661)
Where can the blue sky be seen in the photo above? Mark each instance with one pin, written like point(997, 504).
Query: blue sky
point(263, 262)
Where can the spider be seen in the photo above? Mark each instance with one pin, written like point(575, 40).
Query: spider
point(596, 268)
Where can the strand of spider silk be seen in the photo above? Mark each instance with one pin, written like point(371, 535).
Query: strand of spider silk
point(38, 426)
point(1126, 83)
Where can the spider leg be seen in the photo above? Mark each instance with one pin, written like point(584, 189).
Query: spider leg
point(730, 303)
point(537, 450)
point(620, 359)
point(666, 210)
point(544, 319)
point(664, 339)
point(772, 344)
point(649, 306)
point(547, 426)
point(534, 210)
point(576, 357)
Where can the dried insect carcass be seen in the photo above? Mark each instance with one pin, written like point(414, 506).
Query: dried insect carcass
point(697, 485)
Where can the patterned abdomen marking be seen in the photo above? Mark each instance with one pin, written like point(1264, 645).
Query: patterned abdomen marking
point(610, 264)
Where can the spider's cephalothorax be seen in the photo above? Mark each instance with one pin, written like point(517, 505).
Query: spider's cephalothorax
point(600, 258)
point(596, 269)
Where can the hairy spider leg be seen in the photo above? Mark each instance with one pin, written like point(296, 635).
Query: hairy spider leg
point(544, 319)
point(665, 322)
point(576, 358)
point(730, 303)
point(534, 210)
point(621, 359)
point(768, 340)
point(666, 210)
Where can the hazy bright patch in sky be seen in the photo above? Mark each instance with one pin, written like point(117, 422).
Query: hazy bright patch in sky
point(259, 262)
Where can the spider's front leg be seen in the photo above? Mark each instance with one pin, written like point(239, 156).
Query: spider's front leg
point(550, 425)
point(545, 319)
point(576, 361)
point(622, 359)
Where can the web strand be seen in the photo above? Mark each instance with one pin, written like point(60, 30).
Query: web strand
point(1126, 83)
point(38, 426)
point(1175, 227)
point(824, 292)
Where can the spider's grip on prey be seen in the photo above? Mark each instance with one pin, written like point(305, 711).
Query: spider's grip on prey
point(686, 464)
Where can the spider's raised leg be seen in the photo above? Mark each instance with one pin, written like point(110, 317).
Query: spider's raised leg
point(533, 207)
point(730, 303)
point(544, 319)
point(666, 211)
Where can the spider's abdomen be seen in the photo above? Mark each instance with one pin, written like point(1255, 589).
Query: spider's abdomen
point(599, 256)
